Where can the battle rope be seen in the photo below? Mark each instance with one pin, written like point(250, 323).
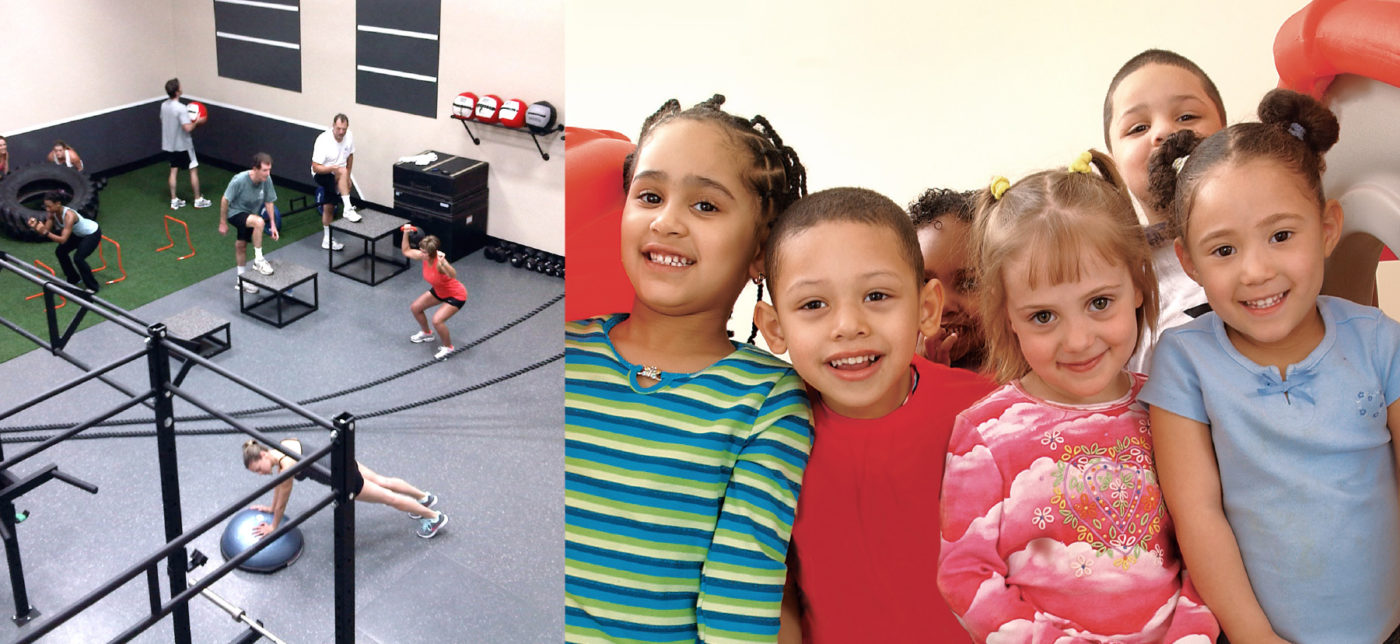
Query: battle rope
point(292, 426)
point(315, 399)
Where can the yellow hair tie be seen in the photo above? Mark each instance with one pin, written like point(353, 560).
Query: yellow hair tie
point(999, 187)
point(1081, 163)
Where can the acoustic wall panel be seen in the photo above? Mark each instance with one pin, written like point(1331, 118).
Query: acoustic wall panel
point(259, 41)
point(396, 54)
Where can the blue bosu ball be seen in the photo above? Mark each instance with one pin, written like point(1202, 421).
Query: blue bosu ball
point(238, 536)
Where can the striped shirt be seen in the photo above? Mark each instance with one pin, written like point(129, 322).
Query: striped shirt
point(678, 497)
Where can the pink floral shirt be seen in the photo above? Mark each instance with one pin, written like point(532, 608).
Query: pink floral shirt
point(1054, 530)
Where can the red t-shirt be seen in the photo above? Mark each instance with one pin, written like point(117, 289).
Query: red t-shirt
point(440, 282)
point(864, 550)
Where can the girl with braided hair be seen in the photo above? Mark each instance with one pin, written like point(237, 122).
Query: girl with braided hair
point(684, 450)
point(1053, 526)
point(1275, 416)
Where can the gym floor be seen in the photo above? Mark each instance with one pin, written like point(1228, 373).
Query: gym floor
point(494, 455)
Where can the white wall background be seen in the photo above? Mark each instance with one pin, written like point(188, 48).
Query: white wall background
point(62, 59)
point(512, 49)
point(902, 96)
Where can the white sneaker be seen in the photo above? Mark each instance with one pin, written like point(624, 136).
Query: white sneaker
point(200, 203)
point(248, 287)
point(420, 337)
point(442, 353)
point(328, 244)
point(263, 266)
point(176, 204)
point(351, 216)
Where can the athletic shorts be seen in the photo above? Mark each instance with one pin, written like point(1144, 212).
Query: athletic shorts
point(239, 221)
point(327, 182)
point(448, 300)
point(182, 158)
point(357, 480)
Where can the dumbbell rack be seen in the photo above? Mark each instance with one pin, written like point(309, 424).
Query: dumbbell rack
point(536, 137)
point(521, 256)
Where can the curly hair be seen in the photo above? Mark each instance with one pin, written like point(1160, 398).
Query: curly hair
point(1055, 220)
point(1294, 131)
point(934, 203)
point(776, 174)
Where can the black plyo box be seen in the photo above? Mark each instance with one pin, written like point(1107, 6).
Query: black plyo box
point(447, 177)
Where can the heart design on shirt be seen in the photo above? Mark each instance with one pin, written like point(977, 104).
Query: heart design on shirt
point(1110, 495)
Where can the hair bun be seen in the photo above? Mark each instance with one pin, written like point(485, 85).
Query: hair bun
point(1162, 169)
point(1301, 116)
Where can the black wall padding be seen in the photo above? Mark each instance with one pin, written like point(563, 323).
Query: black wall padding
point(234, 136)
point(104, 141)
point(395, 93)
point(412, 55)
point(258, 22)
point(422, 16)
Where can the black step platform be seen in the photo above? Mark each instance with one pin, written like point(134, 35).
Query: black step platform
point(275, 303)
point(199, 331)
point(373, 229)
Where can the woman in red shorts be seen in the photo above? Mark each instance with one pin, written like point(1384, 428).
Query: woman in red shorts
point(443, 288)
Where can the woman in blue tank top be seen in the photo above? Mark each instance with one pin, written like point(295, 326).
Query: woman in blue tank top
point(75, 233)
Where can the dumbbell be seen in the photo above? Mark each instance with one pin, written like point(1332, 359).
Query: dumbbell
point(517, 259)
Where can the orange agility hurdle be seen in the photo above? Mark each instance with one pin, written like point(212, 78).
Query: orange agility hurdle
point(41, 293)
point(169, 219)
point(104, 259)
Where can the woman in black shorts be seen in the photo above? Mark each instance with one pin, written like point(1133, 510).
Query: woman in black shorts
point(365, 483)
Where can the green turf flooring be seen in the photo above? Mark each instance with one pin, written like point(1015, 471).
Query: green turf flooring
point(131, 213)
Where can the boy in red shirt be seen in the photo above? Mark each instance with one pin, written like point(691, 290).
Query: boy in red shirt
point(849, 301)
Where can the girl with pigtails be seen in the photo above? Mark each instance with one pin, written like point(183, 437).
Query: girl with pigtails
point(1275, 417)
point(684, 450)
point(1053, 527)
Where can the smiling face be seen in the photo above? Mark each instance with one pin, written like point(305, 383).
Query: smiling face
point(946, 246)
point(847, 310)
point(1256, 242)
point(1076, 336)
point(1148, 106)
point(691, 223)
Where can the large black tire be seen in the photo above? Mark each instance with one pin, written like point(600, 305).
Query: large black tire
point(30, 182)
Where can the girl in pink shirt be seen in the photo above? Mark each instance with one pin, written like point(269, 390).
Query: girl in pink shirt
point(1053, 526)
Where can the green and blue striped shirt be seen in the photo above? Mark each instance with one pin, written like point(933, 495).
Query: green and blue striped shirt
point(679, 497)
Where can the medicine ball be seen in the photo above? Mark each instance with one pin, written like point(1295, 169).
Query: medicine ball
point(541, 117)
point(464, 106)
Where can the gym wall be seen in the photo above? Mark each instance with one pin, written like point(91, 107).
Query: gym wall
point(88, 72)
point(513, 49)
point(92, 72)
point(900, 96)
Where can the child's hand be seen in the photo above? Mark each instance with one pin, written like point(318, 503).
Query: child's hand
point(937, 348)
point(262, 529)
point(260, 508)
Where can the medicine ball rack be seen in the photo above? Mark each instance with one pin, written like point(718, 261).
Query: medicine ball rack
point(558, 127)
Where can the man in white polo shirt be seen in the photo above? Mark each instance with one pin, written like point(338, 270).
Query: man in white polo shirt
point(332, 158)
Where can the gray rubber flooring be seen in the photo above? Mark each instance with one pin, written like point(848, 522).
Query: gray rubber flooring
point(494, 456)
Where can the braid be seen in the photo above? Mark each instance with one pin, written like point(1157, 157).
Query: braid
point(775, 174)
point(753, 330)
